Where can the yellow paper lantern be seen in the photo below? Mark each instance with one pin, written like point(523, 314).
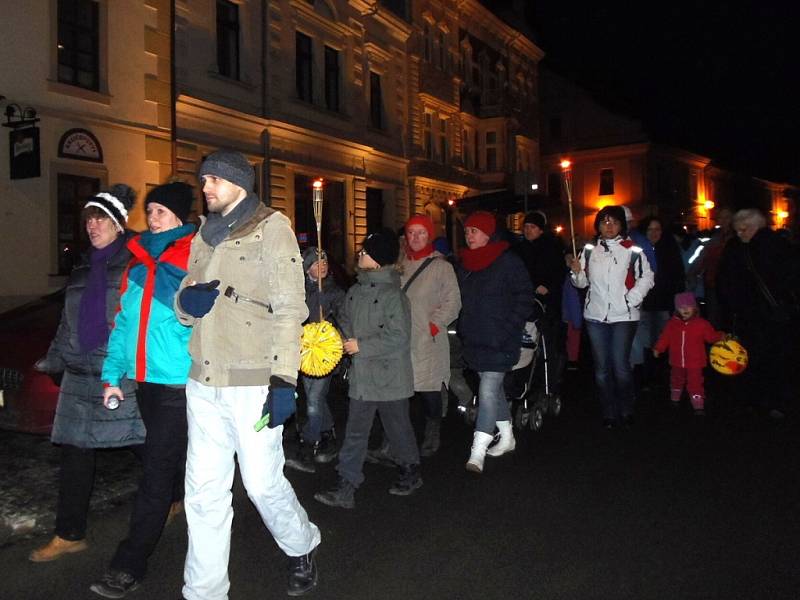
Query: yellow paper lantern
point(320, 348)
point(728, 357)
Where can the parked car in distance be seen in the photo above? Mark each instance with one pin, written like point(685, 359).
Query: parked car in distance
point(28, 397)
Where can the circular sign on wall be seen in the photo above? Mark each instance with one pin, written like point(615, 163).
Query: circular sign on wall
point(80, 144)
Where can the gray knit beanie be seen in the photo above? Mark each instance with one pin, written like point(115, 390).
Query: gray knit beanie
point(231, 166)
point(310, 256)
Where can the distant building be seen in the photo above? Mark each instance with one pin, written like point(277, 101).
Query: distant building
point(614, 161)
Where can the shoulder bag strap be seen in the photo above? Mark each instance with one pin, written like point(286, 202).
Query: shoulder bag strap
point(417, 272)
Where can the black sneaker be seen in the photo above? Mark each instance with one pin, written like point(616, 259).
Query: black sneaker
point(114, 584)
point(325, 449)
point(408, 480)
point(303, 459)
point(340, 496)
point(302, 574)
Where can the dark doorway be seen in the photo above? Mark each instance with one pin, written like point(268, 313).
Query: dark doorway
point(71, 240)
point(333, 217)
point(374, 209)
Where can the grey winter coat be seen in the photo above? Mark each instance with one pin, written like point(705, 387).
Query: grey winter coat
point(435, 298)
point(81, 419)
point(377, 314)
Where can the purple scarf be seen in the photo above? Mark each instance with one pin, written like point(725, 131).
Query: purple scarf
point(92, 324)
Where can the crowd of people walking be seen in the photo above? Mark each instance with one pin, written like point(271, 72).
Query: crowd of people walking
point(176, 341)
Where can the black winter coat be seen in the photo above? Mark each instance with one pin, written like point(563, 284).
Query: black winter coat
point(777, 264)
point(81, 419)
point(495, 303)
point(544, 260)
point(331, 299)
point(670, 277)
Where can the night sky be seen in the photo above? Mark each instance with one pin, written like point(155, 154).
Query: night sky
point(715, 78)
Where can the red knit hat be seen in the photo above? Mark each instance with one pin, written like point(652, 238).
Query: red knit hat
point(482, 220)
point(423, 220)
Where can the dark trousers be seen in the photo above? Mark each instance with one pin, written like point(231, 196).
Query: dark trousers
point(397, 429)
point(76, 480)
point(432, 401)
point(163, 411)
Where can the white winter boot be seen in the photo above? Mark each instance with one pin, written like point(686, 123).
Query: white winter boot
point(480, 442)
point(506, 443)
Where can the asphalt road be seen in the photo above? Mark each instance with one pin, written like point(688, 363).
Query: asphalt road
point(669, 509)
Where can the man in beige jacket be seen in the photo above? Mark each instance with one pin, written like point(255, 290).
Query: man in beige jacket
point(245, 349)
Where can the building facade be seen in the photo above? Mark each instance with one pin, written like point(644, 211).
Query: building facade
point(400, 106)
point(87, 103)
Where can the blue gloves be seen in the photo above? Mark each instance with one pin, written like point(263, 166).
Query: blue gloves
point(198, 299)
point(280, 404)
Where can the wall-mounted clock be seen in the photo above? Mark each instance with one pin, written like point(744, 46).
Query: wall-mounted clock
point(80, 144)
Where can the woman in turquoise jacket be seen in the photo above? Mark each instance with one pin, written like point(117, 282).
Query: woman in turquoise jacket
point(149, 344)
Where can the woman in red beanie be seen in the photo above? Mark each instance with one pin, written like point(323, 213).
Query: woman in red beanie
point(496, 298)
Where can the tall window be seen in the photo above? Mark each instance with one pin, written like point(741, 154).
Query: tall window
point(442, 50)
point(228, 39)
point(78, 46)
point(71, 243)
point(427, 135)
point(444, 151)
point(426, 42)
point(491, 151)
point(374, 209)
point(375, 101)
point(467, 149)
point(303, 67)
point(607, 182)
point(331, 78)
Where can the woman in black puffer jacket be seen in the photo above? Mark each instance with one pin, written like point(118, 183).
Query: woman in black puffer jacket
point(496, 299)
point(82, 423)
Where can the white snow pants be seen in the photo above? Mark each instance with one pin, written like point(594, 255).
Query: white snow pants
point(221, 426)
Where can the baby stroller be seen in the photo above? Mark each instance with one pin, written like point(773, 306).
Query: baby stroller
point(528, 402)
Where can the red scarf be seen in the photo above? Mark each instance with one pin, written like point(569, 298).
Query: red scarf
point(480, 258)
point(421, 254)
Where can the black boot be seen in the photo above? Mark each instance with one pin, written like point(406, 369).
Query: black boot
point(407, 481)
point(302, 574)
point(381, 455)
point(430, 443)
point(303, 459)
point(342, 495)
point(325, 450)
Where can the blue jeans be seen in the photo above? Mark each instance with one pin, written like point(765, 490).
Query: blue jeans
point(318, 417)
point(611, 350)
point(492, 403)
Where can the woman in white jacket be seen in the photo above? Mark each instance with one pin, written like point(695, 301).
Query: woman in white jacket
point(618, 277)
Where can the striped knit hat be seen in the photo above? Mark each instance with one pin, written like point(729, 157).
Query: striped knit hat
point(116, 202)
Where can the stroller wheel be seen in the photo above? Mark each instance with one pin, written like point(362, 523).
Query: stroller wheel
point(536, 419)
point(555, 405)
point(521, 417)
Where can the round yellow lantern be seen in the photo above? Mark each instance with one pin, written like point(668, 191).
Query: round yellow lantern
point(728, 357)
point(320, 348)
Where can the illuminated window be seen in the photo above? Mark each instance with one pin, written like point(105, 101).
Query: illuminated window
point(303, 67)
point(228, 39)
point(78, 46)
point(606, 182)
point(331, 78)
